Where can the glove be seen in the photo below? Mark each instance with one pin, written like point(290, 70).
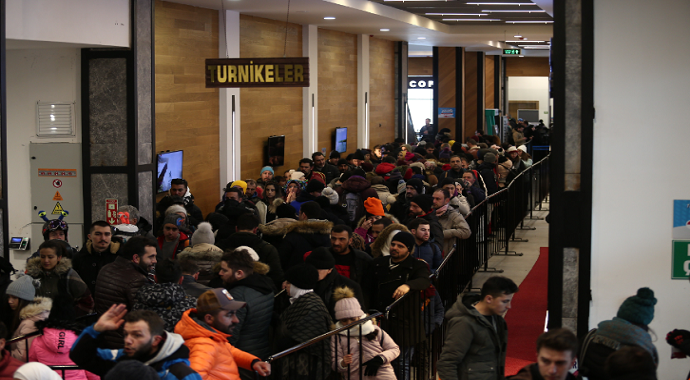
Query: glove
point(679, 339)
point(372, 366)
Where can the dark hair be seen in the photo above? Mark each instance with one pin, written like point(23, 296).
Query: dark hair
point(155, 323)
point(239, 259)
point(168, 272)
point(496, 286)
point(99, 223)
point(247, 222)
point(558, 340)
point(389, 160)
point(235, 190)
point(385, 221)
point(446, 193)
point(416, 222)
point(16, 320)
point(179, 181)
point(316, 154)
point(59, 248)
point(630, 360)
point(342, 228)
point(311, 209)
point(3, 330)
point(307, 161)
point(278, 178)
point(188, 266)
point(274, 183)
point(137, 246)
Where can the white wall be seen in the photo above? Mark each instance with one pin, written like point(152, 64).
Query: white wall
point(641, 82)
point(33, 75)
point(531, 89)
point(89, 22)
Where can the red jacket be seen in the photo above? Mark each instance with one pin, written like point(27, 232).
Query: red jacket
point(182, 243)
point(8, 365)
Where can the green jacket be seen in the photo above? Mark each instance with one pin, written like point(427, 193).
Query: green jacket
point(473, 349)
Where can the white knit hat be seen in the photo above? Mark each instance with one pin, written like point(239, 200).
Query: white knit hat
point(251, 251)
point(203, 234)
point(331, 194)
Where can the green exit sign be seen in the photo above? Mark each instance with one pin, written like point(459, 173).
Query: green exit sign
point(512, 51)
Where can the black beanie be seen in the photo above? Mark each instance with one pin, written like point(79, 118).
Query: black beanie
point(342, 161)
point(358, 155)
point(315, 185)
point(423, 201)
point(286, 211)
point(406, 238)
point(360, 172)
point(334, 154)
point(321, 258)
point(417, 184)
point(303, 276)
point(131, 369)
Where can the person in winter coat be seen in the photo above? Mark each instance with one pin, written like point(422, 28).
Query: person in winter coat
point(453, 223)
point(503, 170)
point(349, 261)
point(203, 252)
point(378, 349)
point(57, 278)
point(486, 170)
point(267, 210)
point(381, 246)
point(172, 240)
point(167, 297)
point(457, 200)
point(35, 371)
point(36, 311)
point(423, 249)
point(311, 191)
point(246, 280)
point(556, 350)
point(8, 364)
point(352, 194)
point(145, 340)
point(19, 294)
point(421, 207)
point(382, 191)
point(477, 335)
point(305, 318)
point(303, 236)
point(631, 363)
point(628, 328)
point(207, 330)
point(99, 250)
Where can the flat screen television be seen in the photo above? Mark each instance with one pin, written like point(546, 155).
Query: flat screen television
point(275, 151)
point(341, 139)
point(169, 168)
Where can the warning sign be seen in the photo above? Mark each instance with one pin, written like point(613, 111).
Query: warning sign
point(111, 210)
point(57, 210)
point(57, 196)
point(57, 172)
point(57, 183)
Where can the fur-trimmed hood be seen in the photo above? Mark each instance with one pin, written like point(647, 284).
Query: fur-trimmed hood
point(311, 226)
point(355, 184)
point(277, 226)
point(261, 268)
point(201, 252)
point(381, 246)
point(113, 248)
point(273, 207)
point(39, 309)
point(385, 215)
point(35, 270)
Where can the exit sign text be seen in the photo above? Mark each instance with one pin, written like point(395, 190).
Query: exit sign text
point(512, 51)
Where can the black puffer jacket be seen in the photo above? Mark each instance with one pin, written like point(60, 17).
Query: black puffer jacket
point(168, 300)
point(302, 237)
point(268, 254)
point(250, 335)
point(88, 263)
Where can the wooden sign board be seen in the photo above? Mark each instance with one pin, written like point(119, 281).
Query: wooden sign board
point(257, 72)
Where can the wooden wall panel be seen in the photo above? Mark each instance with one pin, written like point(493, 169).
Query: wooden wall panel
point(489, 80)
point(446, 84)
point(470, 93)
point(186, 111)
point(269, 111)
point(381, 91)
point(527, 67)
point(420, 66)
point(337, 87)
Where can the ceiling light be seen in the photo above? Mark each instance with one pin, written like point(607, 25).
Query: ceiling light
point(526, 42)
point(513, 11)
point(384, 30)
point(329, 18)
point(518, 4)
point(543, 47)
point(529, 22)
point(455, 14)
point(517, 36)
point(421, 38)
point(471, 19)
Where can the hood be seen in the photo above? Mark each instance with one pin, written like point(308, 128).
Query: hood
point(385, 215)
point(261, 268)
point(463, 306)
point(256, 281)
point(243, 238)
point(39, 309)
point(34, 269)
point(507, 164)
point(161, 295)
point(201, 252)
point(114, 246)
point(381, 245)
point(381, 188)
point(273, 207)
point(355, 184)
point(277, 227)
point(384, 168)
point(310, 227)
point(58, 341)
point(173, 342)
point(189, 328)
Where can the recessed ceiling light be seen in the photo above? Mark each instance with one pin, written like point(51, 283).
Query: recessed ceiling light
point(471, 19)
point(384, 30)
point(517, 36)
point(518, 4)
point(455, 14)
point(329, 18)
point(421, 38)
point(526, 42)
point(529, 22)
point(513, 11)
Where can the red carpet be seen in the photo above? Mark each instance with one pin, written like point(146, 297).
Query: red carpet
point(527, 315)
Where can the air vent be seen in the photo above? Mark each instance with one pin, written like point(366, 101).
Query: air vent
point(54, 119)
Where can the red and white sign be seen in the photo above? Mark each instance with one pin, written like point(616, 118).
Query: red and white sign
point(57, 183)
point(111, 210)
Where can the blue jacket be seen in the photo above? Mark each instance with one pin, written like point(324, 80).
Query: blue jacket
point(429, 253)
point(171, 361)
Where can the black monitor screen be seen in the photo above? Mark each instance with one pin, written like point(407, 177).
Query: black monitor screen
point(169, 168)
point(341, 139)
point(276, 151)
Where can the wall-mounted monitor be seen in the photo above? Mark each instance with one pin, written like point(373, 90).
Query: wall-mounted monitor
point(169, 168)
point(341, 139)
point(275, 151)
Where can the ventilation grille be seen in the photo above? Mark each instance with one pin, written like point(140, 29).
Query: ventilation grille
point(55, 119)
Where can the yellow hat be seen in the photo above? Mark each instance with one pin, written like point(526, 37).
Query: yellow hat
point(241, 184)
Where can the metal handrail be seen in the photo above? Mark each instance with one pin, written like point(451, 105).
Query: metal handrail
point(25, 336)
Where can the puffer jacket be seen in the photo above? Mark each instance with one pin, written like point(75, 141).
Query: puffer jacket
point(473, 349)
point(62, 280)
point(301, 237)
point(454, 227)
point(211, 355)
point(460, 203)
point(205, 256)
point(118, 282)
point(52, 348)
point(382, 245)
point(88, 263)
point(29, 315)
point(382, 345)
point(268, 254)
point(384, 194)
point(168, 300)
point(430, 253)
point(250, 333)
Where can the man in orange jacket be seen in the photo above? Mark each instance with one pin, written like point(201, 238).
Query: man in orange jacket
point(206, 330)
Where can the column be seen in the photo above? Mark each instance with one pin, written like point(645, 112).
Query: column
point(448, 88)
point(310, 95)
point(229, 104)
point(362, 91)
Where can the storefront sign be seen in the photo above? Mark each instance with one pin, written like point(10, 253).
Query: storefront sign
point(257, 72)
point(420, 82)
point(446, 113)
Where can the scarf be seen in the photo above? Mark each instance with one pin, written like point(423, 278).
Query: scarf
point(441, 210)
point(296, 293)
point(367, 328)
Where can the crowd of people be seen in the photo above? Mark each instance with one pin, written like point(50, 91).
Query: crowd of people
point(280, 260)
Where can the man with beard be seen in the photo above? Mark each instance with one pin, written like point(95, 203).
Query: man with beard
point(145, 340)
point(456, 168)
point(421, 207)
point(178, 187)
point(401, 207)
point(349, 262)
point(320, 165)
point(119, 281)
point(207, 331)
point(99, 251)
